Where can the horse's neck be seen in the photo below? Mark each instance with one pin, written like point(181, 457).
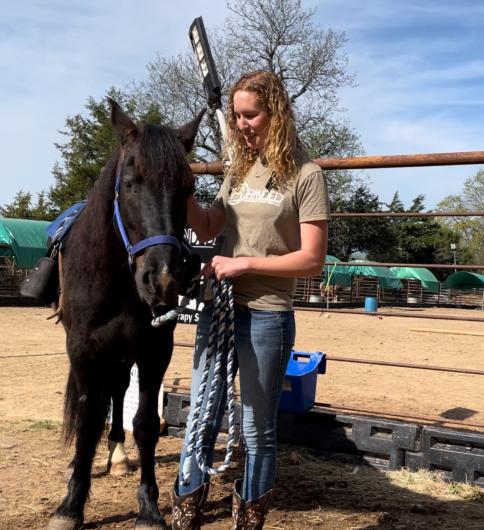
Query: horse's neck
point(94, 241)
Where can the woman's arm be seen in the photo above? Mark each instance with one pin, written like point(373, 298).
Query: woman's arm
point(207, 223)
point(307, 261)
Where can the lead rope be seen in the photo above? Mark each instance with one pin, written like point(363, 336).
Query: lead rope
point(221, 335)
point(173, 313)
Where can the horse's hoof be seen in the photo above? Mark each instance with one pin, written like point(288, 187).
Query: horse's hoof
point(57, 522)
point(118, 461)
point(145, 526)
point(160, 524)
point(119, 469)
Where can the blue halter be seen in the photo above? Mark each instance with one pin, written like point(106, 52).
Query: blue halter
point(135, 249)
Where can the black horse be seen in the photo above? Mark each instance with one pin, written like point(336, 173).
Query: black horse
point(122, 264)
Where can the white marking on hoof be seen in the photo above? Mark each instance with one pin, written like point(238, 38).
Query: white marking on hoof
point(118, 461)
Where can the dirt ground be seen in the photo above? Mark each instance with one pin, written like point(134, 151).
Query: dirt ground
point(311, 492)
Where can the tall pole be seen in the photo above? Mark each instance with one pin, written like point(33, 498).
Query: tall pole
point(453, 248)
point(207, 69)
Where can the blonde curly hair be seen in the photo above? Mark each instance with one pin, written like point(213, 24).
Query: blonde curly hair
point(281, 141)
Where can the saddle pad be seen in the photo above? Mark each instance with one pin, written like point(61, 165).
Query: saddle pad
point(60, 226)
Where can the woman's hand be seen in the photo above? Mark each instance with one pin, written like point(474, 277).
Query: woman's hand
point(301, 263)
point(222, 267)
point(206, 223)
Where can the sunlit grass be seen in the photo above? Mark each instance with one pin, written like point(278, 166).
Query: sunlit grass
point(45, 425)
point(433, 483)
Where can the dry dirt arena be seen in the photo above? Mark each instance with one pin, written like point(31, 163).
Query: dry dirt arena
point(311, 492)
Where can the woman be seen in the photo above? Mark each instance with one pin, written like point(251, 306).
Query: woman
point(273, 210)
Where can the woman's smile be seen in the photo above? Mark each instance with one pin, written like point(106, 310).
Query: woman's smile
point(253, 120)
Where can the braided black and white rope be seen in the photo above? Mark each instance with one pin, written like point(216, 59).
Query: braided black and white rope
point(173, 314)
point(221, 348)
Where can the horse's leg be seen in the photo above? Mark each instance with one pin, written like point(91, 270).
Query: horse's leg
point(146, 425)
point(69, 470)
point(118, 462)
point(90, 411)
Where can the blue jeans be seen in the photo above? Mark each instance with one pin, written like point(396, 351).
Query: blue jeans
point(263, 343)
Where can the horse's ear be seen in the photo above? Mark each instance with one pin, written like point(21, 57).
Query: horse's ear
point(122, 124)
point(186, 133)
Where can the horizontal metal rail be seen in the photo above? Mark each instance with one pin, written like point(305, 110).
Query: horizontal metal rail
point(407, 214)
point(383, 363)
point(413, 265)
point(411, 160)
point(466, 371)
point(370, 162)
point(321, 309)
point(174, 387)
point(31, 355)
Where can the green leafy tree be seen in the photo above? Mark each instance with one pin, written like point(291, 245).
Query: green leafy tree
point(90, 142)
point(22, 207)
point(389, 239)
point(350, 235)
point(276, 35)
point(469, 230)
point(418, 239)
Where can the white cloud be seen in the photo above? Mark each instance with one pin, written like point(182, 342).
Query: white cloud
point(420, 76)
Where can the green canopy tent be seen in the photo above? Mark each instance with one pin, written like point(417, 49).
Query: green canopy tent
point(424, 276)
point(386, 278)
point(464, 281)
point(23, 240)
point(343, 273)
point(336, 274)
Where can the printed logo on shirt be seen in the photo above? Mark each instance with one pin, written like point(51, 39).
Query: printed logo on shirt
point(248, 194)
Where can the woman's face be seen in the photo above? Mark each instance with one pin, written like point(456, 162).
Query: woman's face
point(253, 120)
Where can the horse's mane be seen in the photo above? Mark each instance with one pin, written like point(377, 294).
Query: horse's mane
point(159, 143)
point(101, 197)
point(162, 158)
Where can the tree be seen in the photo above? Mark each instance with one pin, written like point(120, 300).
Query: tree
point(469, 230)
point(395, 239)
point(418, 239)
point(90, 142)
point(22, 208)
point(276, 35)
point(369, 236)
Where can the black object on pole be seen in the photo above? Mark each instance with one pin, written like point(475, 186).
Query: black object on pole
point(201, 47)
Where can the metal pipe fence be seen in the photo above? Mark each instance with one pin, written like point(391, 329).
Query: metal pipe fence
point(308, 288)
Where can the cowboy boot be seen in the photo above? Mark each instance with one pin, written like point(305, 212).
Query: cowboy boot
point(248, 515)
point(187, 509)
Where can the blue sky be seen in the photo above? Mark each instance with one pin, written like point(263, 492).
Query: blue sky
point(418, 66)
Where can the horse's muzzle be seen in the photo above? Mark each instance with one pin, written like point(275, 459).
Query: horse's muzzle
point(157, 285)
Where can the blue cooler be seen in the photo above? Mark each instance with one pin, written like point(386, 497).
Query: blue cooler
point(299, 387)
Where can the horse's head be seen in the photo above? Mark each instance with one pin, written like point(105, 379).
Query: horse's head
point(154, 181)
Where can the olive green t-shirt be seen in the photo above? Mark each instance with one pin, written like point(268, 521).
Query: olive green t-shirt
point(262, 221)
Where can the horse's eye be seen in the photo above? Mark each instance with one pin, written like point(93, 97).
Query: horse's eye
point(130, 161)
